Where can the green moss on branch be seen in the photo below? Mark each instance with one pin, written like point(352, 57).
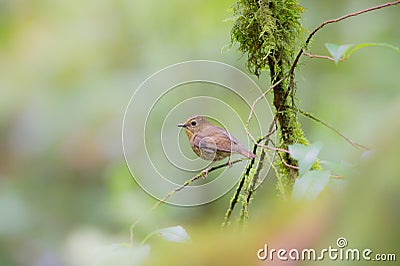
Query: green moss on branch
point(268, 32)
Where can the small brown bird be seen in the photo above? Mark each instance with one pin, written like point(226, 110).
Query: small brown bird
point(211, 142)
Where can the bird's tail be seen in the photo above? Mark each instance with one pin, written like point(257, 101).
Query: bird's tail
point(248, 154)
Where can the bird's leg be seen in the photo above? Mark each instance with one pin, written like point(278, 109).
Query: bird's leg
point(205, 171)
point(229, 162)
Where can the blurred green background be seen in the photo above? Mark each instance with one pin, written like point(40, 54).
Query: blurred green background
point(67, 70)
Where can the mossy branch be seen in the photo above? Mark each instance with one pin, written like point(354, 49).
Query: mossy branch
point(243, 180)
point(251, 186)
point(268, 31)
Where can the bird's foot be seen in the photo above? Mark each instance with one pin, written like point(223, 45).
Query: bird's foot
point(229, 163)
point(205, 173)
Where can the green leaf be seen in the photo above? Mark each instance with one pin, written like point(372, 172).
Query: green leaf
point(174, 234)
point(345, 51)
point(305, 155)
point(339, 168)
point(310, 185)
point(361, 45)
point(337, 51)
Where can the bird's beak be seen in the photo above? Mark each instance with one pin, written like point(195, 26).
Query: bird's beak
point(181, 125)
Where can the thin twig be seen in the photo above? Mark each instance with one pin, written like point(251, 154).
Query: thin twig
point(272, 148)
point(172, 192)
point(337, 176)
point(287, 164)
point(321, 56)
point(323, 24)
point(352, 143)
point(262, 96)
point(273, 127)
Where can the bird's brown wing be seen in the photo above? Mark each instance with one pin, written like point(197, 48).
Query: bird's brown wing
point(213, 142)
point(228, 143)
point(221, 141)
point(216, 140)
point(224, 141)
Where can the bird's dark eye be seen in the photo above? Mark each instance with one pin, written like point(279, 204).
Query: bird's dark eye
point(193, 123)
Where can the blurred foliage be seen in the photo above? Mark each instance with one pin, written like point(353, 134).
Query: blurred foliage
point(67, 69)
